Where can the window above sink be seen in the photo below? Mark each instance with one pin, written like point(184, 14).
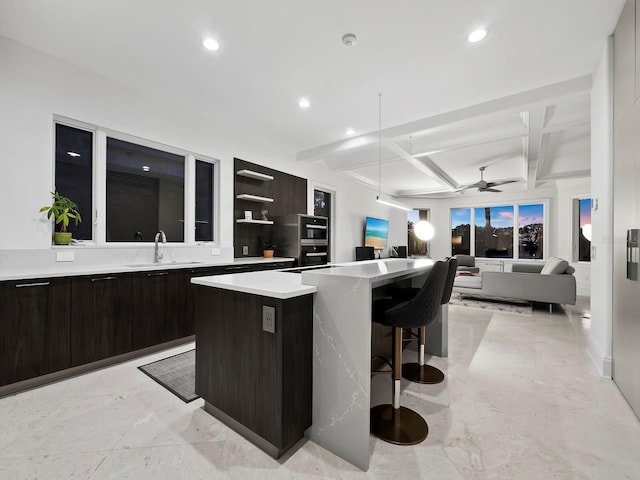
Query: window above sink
point(128, 187)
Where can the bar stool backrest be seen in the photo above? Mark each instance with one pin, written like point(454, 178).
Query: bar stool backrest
point(423, 308)
point(451, 276)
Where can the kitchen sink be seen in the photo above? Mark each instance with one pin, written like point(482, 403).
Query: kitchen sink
point(161, 264)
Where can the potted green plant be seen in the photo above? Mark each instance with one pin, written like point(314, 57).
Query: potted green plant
point(267, 248)
point(63, 211)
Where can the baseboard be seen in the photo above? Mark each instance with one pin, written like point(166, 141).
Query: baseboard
point(600, 361)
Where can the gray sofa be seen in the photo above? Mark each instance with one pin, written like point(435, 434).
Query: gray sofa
point(530, 282)
point(466, 263)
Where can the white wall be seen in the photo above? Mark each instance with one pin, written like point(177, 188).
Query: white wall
point(34, 87)
point(602, 219)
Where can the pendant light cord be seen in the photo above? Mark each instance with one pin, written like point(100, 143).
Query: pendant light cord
point(379, 143)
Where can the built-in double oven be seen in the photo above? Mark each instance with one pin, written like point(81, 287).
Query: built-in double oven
point(303, 237)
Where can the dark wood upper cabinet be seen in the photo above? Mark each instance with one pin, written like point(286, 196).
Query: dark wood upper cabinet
point(252, 193)
point(34, 333)
point(100, 317)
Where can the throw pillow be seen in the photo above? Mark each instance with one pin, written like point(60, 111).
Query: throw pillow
point(554, 266)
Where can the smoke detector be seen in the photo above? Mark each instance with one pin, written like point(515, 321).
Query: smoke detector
point(349, 39)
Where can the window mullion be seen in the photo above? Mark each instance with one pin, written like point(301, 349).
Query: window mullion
point(100, 192)
point(190, 199)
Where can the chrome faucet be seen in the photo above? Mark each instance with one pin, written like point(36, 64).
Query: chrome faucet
point(160, 236)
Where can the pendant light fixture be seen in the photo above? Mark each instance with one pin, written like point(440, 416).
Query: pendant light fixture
point(384, 199)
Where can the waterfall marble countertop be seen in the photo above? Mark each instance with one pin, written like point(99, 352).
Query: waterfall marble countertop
point(341, 339)
point(289, 283)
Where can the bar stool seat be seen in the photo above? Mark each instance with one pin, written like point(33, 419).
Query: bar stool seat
point(420, 372)
point(391, 422)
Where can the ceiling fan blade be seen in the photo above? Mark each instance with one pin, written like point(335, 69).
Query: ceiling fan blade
point(500, 182)
point(489, 189)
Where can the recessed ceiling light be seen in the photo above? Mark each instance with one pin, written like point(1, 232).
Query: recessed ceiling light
point(145, 168)
point(210, 44)
point(73, 154)
point(303, 103)
point(477, 35)
point(350, 131)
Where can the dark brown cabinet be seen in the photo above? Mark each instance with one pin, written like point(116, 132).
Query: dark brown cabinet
point(262, 379)
point(100, 317)
point(258, 188)
point(34, 334)
point(51, 324)
point(159, 313)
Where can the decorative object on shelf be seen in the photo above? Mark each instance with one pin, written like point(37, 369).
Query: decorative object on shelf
point(264, 214)
point(268, 248)
point(63, 210)
point(248, 215)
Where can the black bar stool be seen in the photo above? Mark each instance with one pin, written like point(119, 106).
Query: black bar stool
point(419, 372)
point(391, 422)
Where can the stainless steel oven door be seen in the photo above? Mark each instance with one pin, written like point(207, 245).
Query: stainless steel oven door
point(313, 255)
point(313, 229)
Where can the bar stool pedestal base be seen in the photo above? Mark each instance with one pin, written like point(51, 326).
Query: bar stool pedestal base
point(422, 373)
point(401, 427)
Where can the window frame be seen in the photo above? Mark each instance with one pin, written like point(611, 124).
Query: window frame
point(99, 183)
point(516, 213)
point(575, 228)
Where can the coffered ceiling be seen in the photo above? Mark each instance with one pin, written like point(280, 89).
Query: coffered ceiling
point(524, 140)
point(516, 103)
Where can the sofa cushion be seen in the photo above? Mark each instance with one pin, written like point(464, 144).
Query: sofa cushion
point(474, 281)
point(570, 270)
point(465, 260)
point(554, 266)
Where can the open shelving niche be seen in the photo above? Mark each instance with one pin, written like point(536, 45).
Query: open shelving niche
point(254, 198)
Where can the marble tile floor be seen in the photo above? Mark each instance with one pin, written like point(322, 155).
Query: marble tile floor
point(521, 401)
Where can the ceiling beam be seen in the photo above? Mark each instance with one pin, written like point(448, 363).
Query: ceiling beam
point(566, 175)
point(470, 141)
point(575, 86)
point(424, 164)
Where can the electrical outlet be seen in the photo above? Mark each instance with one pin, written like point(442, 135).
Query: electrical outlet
point(215, 251)
point(65, 256)
point(269, 319)
point(245, 249)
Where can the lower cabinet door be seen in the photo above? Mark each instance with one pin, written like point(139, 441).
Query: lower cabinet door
point(158, 307)
point(100, 318)
point(34, 331)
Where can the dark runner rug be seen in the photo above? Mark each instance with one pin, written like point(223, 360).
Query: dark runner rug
point(176, 373)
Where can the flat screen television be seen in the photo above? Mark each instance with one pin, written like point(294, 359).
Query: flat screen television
point(376, 233)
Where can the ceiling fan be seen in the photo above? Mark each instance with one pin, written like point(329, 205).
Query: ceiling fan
point(483, 185)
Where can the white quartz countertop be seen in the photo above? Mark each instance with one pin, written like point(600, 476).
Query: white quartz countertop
point(286, 284)
point(377, 272)
point(276, 284)
point(64, 269)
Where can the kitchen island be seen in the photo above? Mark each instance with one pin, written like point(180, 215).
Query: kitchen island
point(340, 350)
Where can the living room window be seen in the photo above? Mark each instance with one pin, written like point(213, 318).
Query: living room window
point(130, 187)
point(460, 231)
point(416, 245)
point(494, 231)
point(582, 229)
point(531, 231)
